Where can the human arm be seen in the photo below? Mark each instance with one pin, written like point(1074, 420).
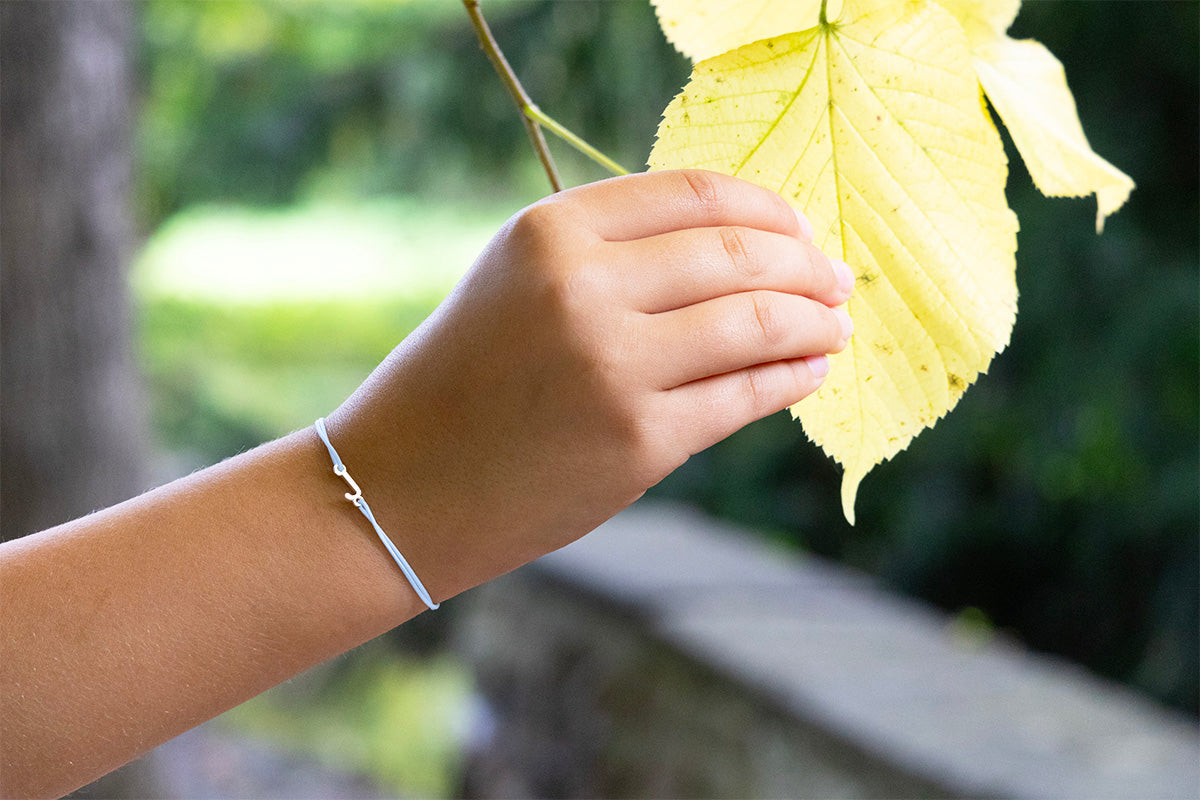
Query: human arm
point(605, 335)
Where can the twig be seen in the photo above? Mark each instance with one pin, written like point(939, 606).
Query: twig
point(489, 45)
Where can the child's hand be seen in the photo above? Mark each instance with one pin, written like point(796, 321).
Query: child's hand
point(606, 334)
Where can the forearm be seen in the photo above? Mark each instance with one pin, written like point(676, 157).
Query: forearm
point(604, 336)
point(145, 619)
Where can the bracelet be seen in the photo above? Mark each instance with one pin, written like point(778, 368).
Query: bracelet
point(360, 503)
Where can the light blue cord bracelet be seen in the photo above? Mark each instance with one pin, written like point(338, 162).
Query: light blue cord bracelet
point(360, 502)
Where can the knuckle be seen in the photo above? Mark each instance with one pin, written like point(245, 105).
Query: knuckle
point(657, 451)
point(739, 253)
point(755, 390)
point(641, 443)
point(541, 236)
point(704, 189)
point(764, 319)
point(584, 287)
point(639, 427)
point(629, 428)
point(536, 224)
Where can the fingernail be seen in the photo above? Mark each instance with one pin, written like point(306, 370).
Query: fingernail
point(846, 323)
point(819, 365)
point(806, 228)
point(845, 275)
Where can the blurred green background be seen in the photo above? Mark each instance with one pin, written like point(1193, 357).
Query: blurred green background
point(314, 176)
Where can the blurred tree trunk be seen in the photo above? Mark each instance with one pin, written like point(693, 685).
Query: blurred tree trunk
point(72, 420)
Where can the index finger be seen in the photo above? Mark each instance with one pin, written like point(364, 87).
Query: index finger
point(653, 203)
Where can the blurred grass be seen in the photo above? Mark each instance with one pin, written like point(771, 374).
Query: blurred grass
point(401, 720)
point(254, 322)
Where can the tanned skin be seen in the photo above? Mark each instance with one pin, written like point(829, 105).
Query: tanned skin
point(605, 335)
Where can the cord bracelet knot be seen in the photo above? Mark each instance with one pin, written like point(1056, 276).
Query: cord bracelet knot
point(360, 503)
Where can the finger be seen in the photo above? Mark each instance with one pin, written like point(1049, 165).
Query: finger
point(737, 331)
point(702, 413)
point(680, 268)
point(651, 203)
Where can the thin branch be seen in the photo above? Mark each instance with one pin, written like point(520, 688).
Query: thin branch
point(489, 45)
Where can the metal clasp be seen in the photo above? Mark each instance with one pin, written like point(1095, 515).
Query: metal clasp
point(339, 469)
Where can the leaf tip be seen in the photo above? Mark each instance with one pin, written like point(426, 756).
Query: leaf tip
point(1110, 198)
point(850, 482)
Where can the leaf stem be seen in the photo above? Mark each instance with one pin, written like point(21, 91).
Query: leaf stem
point(489, 45)
point(539, 116)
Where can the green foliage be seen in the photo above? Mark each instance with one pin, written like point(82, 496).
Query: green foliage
point(254, 322)
point(1060, 499)
point(263, 101)
point(224, 379)
point(273, 102)
point(378, 712)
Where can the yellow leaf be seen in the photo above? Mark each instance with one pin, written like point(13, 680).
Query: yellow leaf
point(1028, 88)
point(1023, 80)
point(983, 20)
point(876, 130)
point(703, 28)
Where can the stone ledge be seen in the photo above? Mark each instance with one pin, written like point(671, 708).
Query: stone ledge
point(830, 651)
